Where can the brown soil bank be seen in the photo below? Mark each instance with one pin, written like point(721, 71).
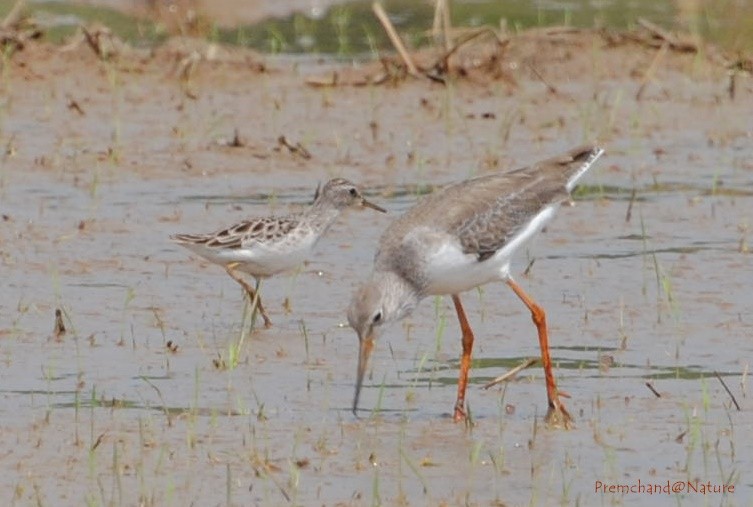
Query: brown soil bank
point(162, 111)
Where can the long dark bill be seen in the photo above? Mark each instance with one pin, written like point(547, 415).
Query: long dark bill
point(369, 204)
point(364, 351)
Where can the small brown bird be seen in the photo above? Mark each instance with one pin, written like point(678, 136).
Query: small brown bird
point(266, 246)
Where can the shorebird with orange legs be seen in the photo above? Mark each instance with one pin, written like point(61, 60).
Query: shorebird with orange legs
point(459, 238)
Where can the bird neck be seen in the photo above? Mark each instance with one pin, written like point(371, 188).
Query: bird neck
point(321, 215)
point(400, 296)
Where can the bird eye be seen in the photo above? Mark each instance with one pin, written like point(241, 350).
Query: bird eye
point(353, 192)
point(377, 318)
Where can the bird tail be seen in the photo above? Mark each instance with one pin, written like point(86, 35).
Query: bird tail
point(581, 160)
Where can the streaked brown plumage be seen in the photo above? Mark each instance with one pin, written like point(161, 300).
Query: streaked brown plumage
point(266, 246)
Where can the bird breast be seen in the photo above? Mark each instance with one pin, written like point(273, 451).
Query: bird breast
point(439, 265)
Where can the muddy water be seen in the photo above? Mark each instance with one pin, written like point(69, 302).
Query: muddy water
point(108, 414)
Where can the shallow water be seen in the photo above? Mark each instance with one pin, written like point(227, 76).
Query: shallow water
point(126, 291)
point(108, 414)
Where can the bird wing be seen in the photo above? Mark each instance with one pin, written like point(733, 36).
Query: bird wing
point(243, 234)
point(486, 212)
point(492, 219)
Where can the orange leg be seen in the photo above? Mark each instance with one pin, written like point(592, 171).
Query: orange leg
point(465, 360)
point(557, 414)
point(252, 294)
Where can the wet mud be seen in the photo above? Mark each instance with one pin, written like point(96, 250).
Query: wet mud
point(157, 393)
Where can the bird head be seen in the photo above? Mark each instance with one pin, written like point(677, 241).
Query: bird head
point(345, 194)
point(385, 298)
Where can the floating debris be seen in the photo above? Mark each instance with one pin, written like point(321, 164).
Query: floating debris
point(296, 149)
point(16, 29)
point(59, 330)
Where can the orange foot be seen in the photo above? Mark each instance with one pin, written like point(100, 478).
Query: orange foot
point(557, 416)
point(459, 413)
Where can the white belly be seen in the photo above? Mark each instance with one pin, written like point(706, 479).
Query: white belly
point(260, 260)
point(450, 271)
